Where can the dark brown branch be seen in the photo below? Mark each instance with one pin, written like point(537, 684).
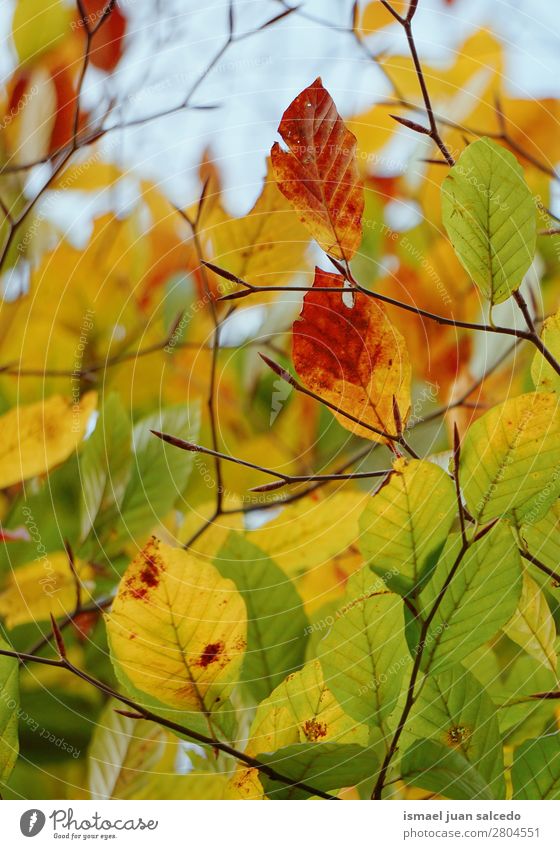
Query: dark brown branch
point(249, 288)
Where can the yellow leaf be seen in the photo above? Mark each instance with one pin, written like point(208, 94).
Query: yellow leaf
point(46, 586)
point(177, 629)
point(265, 246)
point(311, 531)
point(39, 436)
point(375, 16)
point(509, 459)
point(532, 626)
point(38, 26)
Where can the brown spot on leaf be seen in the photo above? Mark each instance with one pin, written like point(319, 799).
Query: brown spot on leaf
point(150, 573)
point(457, 735)
point(147, 572)
point(211, 654)
point(138, 592)
point(314, 730)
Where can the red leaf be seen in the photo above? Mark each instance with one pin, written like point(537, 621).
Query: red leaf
point(352, 356)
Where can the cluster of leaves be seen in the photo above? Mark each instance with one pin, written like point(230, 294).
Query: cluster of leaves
point(388, 628)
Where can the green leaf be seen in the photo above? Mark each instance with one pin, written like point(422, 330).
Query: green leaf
point(455, 711)
point(489, 214)
point(9, 705)
point(532, 626)
point(545, 378)
point(159, 473)
point(536, 769)
point(480, 598)
point(434, 767)
point(365, 654)
point(105, 465)
point(277, 624)
point(510, 457)
point(406, 523)
point(326, 766)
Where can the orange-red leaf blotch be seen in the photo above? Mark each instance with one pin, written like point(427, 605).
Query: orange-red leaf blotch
point(352, 356)
point(318, 173)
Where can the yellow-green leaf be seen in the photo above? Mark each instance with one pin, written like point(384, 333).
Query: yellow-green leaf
point(364, 654)
point(406, 523)
point(481, 597)
point(489, 214)
point(454, 710)
point(536, 768)
point(509, 459)
point(532, 626)
point(300, 710)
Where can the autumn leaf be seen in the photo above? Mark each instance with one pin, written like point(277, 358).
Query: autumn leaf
point(38, 27)
point(318, 173)
point(544, 376)
point(122, 755)
point(300, 710)
point(106, 44)
point(269, 243)
point(403, 530)
point(346, 351)
point(376, 16)
point(39, 436)
point(177, 629)
point(532, 625)
point(346, 583)
point(36, 590)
